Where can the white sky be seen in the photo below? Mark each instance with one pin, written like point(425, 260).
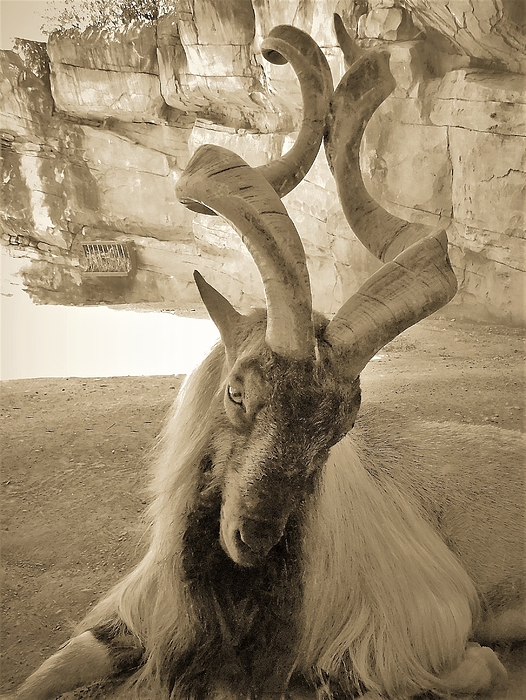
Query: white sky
point(20, 18)
point(59, 341)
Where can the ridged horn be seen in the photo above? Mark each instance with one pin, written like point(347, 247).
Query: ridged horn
point(419, 279)
point(286, 44)
point(416, 283)
point(362, 89)
point(219, 180)
point(350, 49)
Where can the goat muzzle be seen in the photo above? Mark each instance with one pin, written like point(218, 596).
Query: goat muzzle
point(249, 541)
point(260, 536)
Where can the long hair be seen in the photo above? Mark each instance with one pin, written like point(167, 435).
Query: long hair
point(152, 601)
point(386, 604)
point(381, 597)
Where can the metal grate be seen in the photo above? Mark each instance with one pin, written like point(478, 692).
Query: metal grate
point(107, 258)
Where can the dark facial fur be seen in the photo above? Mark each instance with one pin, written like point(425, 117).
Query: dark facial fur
point(274, 430)
point(276, 424)
point(246, 615)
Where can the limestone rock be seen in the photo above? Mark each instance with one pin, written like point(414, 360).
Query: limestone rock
point(136, 186)
point(489, 181)
point(100, 73)
point(32, 198)
point(96, 94)
point(315, 18)
point(468, 177)
point(205, 57)
point(405, 163)
point(210, 63)
point(492, 30)
point(446, 148)
point(218, 23)
point(170, 139)
point(131, 50)
point(490, 289)
point(26, 102)
point(387, 23)
point(255, 147)
point(482, 101)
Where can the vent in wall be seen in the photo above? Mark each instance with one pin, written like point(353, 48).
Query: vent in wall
point(108, 259)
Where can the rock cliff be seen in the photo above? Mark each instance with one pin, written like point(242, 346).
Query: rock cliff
point(93, 148)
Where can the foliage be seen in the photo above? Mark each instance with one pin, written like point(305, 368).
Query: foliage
point(34, 55)
point(104, 14)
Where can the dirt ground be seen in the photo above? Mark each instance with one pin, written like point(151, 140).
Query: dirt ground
point(75, 468)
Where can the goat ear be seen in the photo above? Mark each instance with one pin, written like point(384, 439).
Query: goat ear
point(222, 313)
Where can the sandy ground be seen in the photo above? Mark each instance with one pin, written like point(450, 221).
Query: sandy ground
point(75, 465)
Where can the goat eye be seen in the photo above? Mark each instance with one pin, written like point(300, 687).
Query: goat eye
point(235, 396)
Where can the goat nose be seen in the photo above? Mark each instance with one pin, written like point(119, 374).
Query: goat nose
point(260, 536)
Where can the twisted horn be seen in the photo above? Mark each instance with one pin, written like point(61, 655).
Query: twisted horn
point(350, 49)
point(286, 44)
point(362, 89)
point(419, 279)
point(416, 283)
point(218, 180)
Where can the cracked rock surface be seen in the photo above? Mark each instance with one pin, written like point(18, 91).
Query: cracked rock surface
point(93, 150)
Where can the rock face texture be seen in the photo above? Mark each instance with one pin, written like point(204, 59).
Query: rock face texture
point(92, 149)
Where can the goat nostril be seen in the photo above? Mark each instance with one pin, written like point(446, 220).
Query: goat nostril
point(259, 536)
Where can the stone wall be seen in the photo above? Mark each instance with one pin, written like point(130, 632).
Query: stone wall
point(92, 150)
